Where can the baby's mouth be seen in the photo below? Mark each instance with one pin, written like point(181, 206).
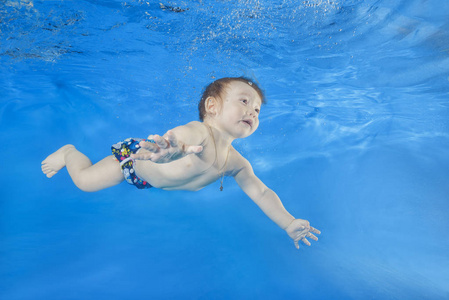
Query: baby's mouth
point(249, 122)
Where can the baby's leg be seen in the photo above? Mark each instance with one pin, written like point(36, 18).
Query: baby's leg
point(87, 177)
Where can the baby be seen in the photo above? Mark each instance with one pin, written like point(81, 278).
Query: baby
point(191, 156)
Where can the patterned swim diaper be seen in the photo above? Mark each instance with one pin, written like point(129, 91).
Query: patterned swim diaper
point(122, 152)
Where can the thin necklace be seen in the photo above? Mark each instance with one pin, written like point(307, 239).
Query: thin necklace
point(221, 176)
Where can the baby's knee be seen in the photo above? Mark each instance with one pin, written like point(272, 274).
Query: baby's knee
point(85, 184)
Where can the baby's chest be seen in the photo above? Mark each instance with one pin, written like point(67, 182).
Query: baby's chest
point(188, 168)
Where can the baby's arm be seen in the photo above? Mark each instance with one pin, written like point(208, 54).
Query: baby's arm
point(271, 205)
point(168, 147)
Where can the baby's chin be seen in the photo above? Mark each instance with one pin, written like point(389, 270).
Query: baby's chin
point(245, 134)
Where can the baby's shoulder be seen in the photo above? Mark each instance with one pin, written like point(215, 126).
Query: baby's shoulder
point(197, 126)
point(191, 133)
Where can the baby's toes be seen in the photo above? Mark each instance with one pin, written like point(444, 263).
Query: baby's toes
point(50, 174)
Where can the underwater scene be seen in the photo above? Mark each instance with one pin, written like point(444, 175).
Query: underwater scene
point(354, 138)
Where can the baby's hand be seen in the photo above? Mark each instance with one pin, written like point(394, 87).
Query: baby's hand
point(165, 149)
point(301, 230)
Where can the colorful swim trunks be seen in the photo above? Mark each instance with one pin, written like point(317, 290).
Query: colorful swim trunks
point(122, 152)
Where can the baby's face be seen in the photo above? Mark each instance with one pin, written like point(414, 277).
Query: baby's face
point(239, 115)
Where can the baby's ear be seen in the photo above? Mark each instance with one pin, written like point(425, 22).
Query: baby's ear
point(211, 104)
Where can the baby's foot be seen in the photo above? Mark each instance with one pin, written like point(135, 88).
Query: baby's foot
point(55, 161)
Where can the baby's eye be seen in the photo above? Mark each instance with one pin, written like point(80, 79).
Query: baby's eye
point(257, 110)
point(244, 101)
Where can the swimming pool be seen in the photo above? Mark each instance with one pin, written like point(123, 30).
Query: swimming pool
point(354, 138)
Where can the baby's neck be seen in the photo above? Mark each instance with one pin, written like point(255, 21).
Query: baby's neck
point(222, 139)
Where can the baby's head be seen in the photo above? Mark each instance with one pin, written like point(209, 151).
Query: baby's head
point(218, 89)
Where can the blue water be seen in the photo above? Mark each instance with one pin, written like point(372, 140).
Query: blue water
point(354, 138)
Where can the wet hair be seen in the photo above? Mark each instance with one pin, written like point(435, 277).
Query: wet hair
point(217, 89)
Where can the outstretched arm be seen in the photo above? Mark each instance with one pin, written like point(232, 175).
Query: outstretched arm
point(271, 205)
point(169, 147)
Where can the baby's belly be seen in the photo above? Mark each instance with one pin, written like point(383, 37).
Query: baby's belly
point(182, 174)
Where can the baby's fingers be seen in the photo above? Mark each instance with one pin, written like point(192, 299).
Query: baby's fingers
point(312, 236)
point(149, 146)
point(142, 156)
point(305, 241)
point(193, 149)
point(314, 230)
point(161, 141)
point(172, 139)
